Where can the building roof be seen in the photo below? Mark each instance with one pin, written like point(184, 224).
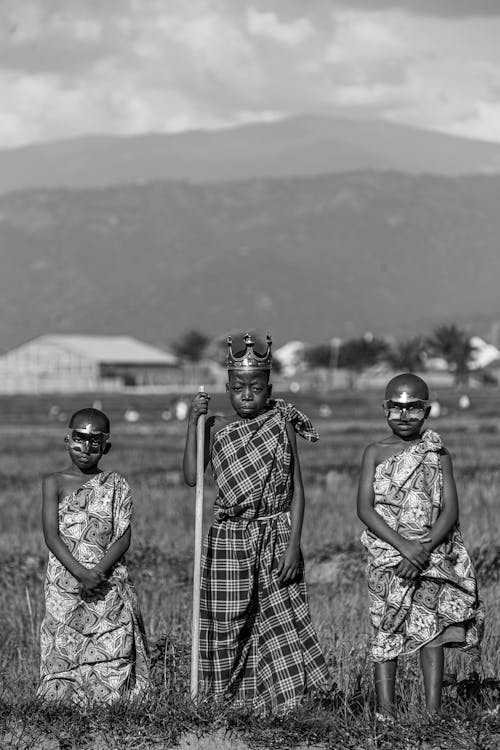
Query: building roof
point(111, 349)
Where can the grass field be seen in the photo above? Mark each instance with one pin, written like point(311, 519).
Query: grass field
point(149, 454)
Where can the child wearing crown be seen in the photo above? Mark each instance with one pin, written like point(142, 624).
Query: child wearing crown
point(421, 582)
point(257, 643)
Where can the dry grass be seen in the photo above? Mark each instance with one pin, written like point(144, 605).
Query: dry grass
point(160, 559)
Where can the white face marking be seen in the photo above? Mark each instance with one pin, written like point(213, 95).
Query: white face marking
point(87, 429)
point(405, 398)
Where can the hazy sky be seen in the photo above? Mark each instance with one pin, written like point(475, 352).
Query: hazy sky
point(70, 67)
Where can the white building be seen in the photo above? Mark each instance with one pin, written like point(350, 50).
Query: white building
point(78, 363)
point(290, 356)
point(483, 354)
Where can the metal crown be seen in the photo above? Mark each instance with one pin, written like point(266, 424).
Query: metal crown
point(249, 360)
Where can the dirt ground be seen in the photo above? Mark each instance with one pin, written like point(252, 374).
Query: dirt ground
point(218, 740)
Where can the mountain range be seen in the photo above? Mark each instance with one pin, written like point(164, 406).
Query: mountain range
point(309, 257)
point(299, 146)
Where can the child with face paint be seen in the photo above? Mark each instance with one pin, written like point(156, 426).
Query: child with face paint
point(421, 582)
point(93, 646)
point(258, 647)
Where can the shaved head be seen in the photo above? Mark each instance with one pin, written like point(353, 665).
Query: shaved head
point(91, 420)
point(407, 387)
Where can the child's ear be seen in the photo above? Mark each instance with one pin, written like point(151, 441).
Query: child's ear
point(66, 442)
point(107, 448)
point(269, 389)
point(227, 387)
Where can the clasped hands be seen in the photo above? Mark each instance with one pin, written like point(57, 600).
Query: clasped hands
point(415, 556)
point(93, 585)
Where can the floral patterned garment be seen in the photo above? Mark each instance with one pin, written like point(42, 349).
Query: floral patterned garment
point(406, 615)
point(92, 650)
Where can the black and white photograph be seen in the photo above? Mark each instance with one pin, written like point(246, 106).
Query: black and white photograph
point(249, 374)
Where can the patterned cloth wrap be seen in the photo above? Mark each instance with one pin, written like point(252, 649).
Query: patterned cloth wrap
point(257, 643)
point(407, 615)
point(92, 650)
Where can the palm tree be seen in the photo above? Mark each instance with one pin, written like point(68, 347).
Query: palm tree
point(191, 345)
point(453, 344)
point(407, 355)
point(355, 355)
point(319, 355)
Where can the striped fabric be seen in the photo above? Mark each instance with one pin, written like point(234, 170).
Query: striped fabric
point(252, 462)
point(257, 643)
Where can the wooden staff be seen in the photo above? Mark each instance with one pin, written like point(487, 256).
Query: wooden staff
point(198, 528)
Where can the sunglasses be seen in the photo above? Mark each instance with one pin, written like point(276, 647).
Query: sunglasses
point(414, 409)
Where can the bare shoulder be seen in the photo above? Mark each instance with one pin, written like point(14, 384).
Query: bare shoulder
point(368, 455)
point(53, 479)
point(380, 450)
point(371, 450)
point(51, 485)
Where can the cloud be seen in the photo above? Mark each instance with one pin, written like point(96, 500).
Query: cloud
point(268, 25)
point(431, 8)
point(130, 66)
point(483, 122)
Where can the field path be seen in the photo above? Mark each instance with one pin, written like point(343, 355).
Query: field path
point(223, 740)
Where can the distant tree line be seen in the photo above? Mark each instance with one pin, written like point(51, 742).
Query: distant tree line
point(449, 342)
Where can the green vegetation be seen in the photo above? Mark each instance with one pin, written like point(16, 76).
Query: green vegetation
point(148, 453)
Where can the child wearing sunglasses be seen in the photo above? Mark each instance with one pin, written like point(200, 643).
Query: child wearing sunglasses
point(93, 646)
point(421, 582)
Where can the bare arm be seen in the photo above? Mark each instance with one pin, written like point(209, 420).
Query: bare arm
point(50, 522)
point(199, 406)
point(288, 566)
point(448, 516)
point(414, 551)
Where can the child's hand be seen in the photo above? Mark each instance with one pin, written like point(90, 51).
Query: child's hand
point(289, 566)
point(407, 570)
point(96, 594)
point(91, 578)
point(415, 552)
point(199, 406)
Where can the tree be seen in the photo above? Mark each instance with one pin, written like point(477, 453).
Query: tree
point(357, 354)
point(318, 356)
point(407, 355)
point(453, 344)
point(191, 346)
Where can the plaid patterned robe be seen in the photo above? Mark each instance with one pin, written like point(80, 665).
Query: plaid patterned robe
point(442, 603)
point(92, 650)
point(257, 642)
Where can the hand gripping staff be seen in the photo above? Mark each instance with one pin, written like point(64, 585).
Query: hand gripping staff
point(198, 529)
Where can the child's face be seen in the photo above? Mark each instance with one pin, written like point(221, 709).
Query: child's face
point(406, 419)
point(248, 392)
point(86, 445)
